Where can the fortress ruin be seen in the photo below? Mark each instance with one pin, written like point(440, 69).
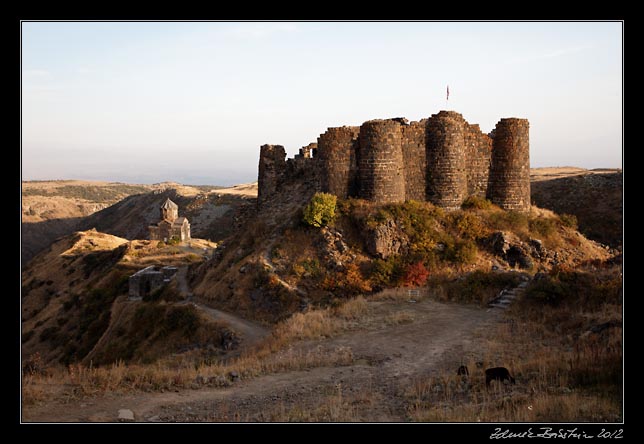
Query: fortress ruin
point(442, 159)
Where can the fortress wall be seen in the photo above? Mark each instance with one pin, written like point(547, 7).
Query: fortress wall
point(446, 160)
point(414, 160)
point(509, 185)
point(337, 158)
point(380, 162)
point(307, 151)
point(478, 153)
point(272, 166)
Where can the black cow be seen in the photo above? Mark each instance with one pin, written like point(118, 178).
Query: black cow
point(462, 370)
point(497, 373)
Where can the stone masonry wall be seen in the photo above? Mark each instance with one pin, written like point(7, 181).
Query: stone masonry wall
point(272, 166)
point(337, 156)
point(509, 185)
point(415, 160)
point(478, 154)
point(446, 160)
point(442, 159)
point(307, 151)
point(380, 162)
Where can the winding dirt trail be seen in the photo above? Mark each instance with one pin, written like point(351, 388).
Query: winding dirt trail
point(401, 342)
point(250, 331)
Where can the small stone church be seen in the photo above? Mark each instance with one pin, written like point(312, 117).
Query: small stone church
point(171, 225)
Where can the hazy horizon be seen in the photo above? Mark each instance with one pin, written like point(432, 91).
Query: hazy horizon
point(148, 102)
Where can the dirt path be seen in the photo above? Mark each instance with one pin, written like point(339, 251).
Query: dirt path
point(402, 342)
point(182, 282)
point(250, 331)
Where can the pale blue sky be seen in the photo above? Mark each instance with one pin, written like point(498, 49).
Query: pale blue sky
point(192, 102)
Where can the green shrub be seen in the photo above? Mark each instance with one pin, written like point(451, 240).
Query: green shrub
point(307, 266)
point(461, 251)
point(468, 225)
point(481, 286)
point(476, 203)
point(576, 289)
point(569, 220)
point(183, 319)
point(542, 226)
point(508, 220)
point(386, 272)
point(320, 211)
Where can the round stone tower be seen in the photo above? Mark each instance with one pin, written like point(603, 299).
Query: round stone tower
point(446, 160)
point(337, 157)
point(380, 162)
point(272, 165)
point(509, 185)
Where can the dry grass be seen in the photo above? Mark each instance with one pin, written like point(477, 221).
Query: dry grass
point(400, 295)
point(561, 376)
point(273, 355)
point(334, 407)
point(400, 317)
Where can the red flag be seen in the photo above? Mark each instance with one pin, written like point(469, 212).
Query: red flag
point(447, 92)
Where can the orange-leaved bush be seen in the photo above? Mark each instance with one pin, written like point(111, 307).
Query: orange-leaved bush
point(416, 275)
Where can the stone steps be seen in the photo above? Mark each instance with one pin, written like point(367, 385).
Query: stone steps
point(507, 296)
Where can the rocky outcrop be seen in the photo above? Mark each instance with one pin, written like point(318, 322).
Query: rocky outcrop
point(387, 239)
point(511, 249)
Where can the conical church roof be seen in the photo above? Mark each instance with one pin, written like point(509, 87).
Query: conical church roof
point(169, 205)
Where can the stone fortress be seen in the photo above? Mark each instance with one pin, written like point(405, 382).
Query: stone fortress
point(442, 159)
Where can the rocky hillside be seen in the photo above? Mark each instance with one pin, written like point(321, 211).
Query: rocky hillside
point(279, 265)
point(594, 197)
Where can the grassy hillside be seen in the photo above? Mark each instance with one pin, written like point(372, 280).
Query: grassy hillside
point(593, 197)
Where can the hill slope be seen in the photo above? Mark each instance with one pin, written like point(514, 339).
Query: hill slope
point(75, 306)
point(593, 196)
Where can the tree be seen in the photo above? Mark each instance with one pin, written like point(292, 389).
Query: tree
point(320, 211)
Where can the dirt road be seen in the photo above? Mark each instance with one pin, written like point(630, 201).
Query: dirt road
point(401, 342)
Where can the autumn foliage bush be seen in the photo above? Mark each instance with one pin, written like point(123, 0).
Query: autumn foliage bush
point(416, 275)
point(320, 211)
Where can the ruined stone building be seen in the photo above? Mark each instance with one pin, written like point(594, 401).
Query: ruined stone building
point(171, 225)
point(442, 159)
point(150, 279)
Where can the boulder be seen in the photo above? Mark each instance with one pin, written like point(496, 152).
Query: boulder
point(126, 415)
point(387, 239)
point(509, 247)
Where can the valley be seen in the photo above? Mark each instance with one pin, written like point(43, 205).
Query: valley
point(270, 320)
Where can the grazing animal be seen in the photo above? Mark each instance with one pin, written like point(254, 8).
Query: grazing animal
point(499, 374)
point(462, 370)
